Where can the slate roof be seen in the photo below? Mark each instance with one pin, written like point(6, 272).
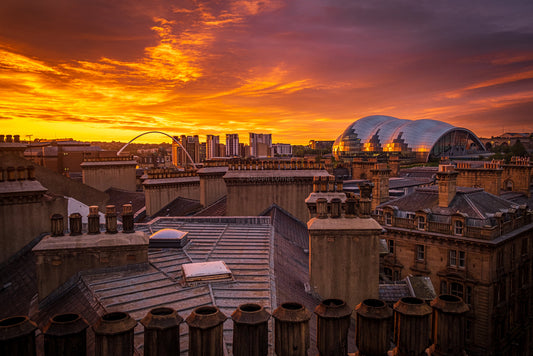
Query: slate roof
point(473, 202)
point(218, 208)
point(243, 244)
point(179, 207)
point(119, 197)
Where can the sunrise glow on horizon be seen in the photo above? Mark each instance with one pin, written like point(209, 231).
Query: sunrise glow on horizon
point(299, 69)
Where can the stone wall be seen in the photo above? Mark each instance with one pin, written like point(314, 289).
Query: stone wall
point(103, 174)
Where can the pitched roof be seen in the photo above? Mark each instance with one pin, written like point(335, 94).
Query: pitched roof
point(473, 202)
point(119, 197)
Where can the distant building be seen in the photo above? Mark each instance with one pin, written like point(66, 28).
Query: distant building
point(212, 146)
point(320, 145)
point(191, 144)
point(282, 149)
point(423, 140)
point(63, 156)
point(471, 244)
point(232, 145)
point(260, 145)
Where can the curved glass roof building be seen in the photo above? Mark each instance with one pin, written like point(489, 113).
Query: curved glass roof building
point(425, 139)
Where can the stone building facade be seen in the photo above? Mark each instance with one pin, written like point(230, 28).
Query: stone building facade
point(110, 172)
point(254, 187)
point(471, 244)
point(164, 185)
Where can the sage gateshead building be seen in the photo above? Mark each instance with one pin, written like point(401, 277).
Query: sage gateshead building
point(424, 140)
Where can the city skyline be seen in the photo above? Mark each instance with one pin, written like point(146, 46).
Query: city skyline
point(297, 70)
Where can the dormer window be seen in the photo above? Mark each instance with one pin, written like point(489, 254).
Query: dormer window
point(421, 223)
point(388, 219)
point(458, 228)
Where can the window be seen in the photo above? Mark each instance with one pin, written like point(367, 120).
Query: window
point(391, 246)
point(420, 255)
point(388, 219)
point(453, 258)
point(457, 258)
point(462, 256)
point(388, 273)
point(456, 289)
point(458, 227)
point(421, 224)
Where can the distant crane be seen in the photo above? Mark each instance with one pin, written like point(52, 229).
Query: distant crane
point(163, 133)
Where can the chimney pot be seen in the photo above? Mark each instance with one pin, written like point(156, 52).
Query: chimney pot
point(65, 334)
point(333, 322)
point(161, 332)
point(21, 173)
point(448, 325)
point(113, 334)
point(11, 174)
point(17, 336)
point(291, 324)
point(250, 330)
point(31, 172)
point(16, 138)
point(205, 331)
point(2, 138)
point(322, 208)
point(9, 139)
point(56, 225)
point(93, 226)
point(2, 174)
point(110, 219)
point(373, 324)
point(128, 225)
point(351, 208)
point(411, 314)
point(335, 208)
point(75, 224)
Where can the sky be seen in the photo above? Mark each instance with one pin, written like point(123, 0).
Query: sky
point(298, 69)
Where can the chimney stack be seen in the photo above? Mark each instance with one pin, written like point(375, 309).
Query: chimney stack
point(205, 331)
point(75, 224)
point(161, 332)
point(372, 333)
point(380, 179)
point(291, 324)
point(250, 330)
point(93, 226)
point(365, 201)
point(333, 322)
point(56, 225)
point(113, 334)
point(65, 334)
point(447, 180)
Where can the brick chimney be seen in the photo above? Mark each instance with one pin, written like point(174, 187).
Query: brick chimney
point(380, 179)
point(344, 233)
point(447, 180)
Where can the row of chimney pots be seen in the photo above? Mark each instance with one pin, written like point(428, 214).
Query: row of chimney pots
point(418, 330)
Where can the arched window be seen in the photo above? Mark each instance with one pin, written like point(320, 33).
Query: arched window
point(508, 185)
